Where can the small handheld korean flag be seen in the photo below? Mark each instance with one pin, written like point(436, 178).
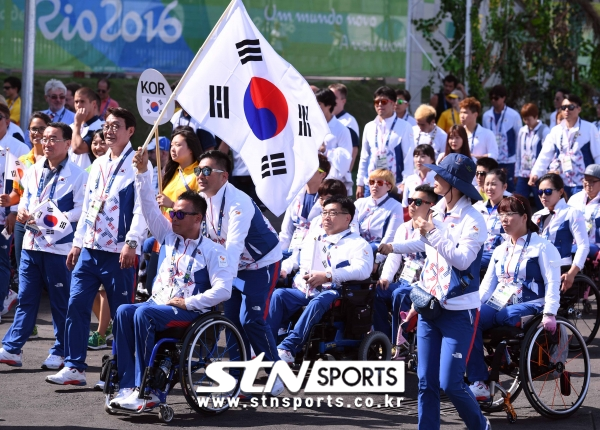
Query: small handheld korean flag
point(239, 88)
point(51, 222)
point(13, 170)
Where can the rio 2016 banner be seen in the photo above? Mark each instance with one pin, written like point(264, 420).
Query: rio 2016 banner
point(320, 38)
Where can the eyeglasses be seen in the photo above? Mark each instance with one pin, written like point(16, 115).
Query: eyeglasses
point(546, 191)
point(114, 127)
point(480, 173)
point(507, 214)
point(181, 214)
point(401, 102)
point(571, 107)
point(57, 97)
point(206, 171)
point(591, 181)
point(35, 130)
point(379, 182)
point(382, 102)
point(52, 140)
point(332, 214)
point(6, 87)
point(418, 202)
point(100, 91)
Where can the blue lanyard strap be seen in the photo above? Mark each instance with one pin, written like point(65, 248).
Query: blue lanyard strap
point(187, 187)
point(53, 188)
point(473, 137)
point(389, 134)
point(575, 136)
point(498, 125)
point(114, 174)
point(516, 272)
point(369, 213)
point(188, 271)
point(221, 214)
point(331, 244)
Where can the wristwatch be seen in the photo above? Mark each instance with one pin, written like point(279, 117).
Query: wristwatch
point(328, 275)
point(131, 243)
point(429, 233)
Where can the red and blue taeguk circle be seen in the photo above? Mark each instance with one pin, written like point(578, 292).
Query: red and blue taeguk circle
point(154, 106)
point(265, 108)
point(50, 220)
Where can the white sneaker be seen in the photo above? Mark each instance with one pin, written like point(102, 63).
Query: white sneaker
point(134, 403)
point(99, 386)
point(122, 394)
point(10, 359)
point(286, 356)
point(53, 362)
point(278, 387)
point(67, 376)
point(480, 390)
point(9, 302)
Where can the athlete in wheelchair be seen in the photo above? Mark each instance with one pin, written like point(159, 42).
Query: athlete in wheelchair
point(330, 258)
point(547, 358)
point(171, 336)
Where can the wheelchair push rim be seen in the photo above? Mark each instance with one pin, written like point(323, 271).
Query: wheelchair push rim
point(583, 309)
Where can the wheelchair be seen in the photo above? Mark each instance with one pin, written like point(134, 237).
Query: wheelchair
point(344, 332)
point(553, 370)
point(181, 355)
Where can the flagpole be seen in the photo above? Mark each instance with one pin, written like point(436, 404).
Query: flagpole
point(158, 167)
point(5, 171)
point(174, 93)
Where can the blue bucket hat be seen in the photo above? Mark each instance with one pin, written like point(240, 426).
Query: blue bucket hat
point(458, 170)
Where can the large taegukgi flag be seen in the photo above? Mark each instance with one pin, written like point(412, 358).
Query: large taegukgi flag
point(239, 88)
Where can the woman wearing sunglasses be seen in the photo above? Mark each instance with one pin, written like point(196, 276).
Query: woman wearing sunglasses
point(422, 155)
point(457, 143)
point(562, 225)
point(495, 190)
point(523, 279)
point(379, 215)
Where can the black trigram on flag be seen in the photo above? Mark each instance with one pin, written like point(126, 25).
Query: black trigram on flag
point(273, 164)
point(249, 50)
point(304, 126)
point(219, 101)
point(62, 225)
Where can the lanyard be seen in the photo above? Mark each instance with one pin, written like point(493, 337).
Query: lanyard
point(593, 213)
point(105, 108)
point(53, 188)
point(494, 209)
point(431, 136)
point(575, 136)
point(533, 134)
point(473, 137)
point(187, 187)
point(453, 119)
point(331, 244)
point(497, 126)
point(369, 213)
point(220, 223)
point(516, 272)
point(389, 134)
point(188, 271)
point(113, 176)
point(64, 109)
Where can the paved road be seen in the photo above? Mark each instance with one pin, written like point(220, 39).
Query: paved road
point(27, 401)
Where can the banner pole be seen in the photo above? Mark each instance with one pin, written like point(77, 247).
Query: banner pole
point(158, 167)
point(184, 76)
point(5, 171)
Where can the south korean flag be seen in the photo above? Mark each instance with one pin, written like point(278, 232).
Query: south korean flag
point(51, 222)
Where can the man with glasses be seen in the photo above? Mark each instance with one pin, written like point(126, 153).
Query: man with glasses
point(484, 166)
point(505, 123)
point(86, 123)
point(406, 252)
point(106, 242)
point(559, 96)
point(17, 149)
point(55, 184)
point(335, 255)
point(56, 96)
point(402, 104)
point(588, 202)
point(103, 90)
point(386, 144)
point(12, 87)
point(569, 148)
point(236, 222)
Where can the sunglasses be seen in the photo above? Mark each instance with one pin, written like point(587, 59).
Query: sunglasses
point(480, 173)
point(382, 102)
point(418, 202)
point(379, 182)
point(181, 214)
point(547, 191)
point(401, 102)
point(206, 171)
point(571, 107)
point(56, 97)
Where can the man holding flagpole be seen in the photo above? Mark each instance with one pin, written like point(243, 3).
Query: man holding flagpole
point(10, 149)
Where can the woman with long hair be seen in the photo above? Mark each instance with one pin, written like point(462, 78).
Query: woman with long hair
point(456, 143)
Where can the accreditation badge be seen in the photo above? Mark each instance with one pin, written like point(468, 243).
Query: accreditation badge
point(94, 209)
point(566, 163)
point(410, 271)
point(381, 162)
point(502, 295)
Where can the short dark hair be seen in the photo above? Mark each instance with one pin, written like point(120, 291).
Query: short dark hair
point(73, 87)
point(472, 104)
point(499, 173)
point(67, 131)
point(404, 93)
point(386, 92)
point(89, 94)
point(427, 189)
point(99, 132)
point(332, 187)
point(487, 162)
point(324, 163)
point(520, 205)
point(574, 99)
point(562, 90)
point(41, 115)
point(14, 82)
point(451, 78)
point(344, 202)
point(124, 114)
point(425, 149)
point(498, 91)
point(220, 158)
point(196, 199)
point(104, 80)
point(327, 97)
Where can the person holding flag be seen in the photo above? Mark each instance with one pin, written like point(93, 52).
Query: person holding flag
point(50, 208)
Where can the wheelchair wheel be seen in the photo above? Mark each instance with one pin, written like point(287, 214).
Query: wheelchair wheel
point(555, 377)
point(213, 339)
point(581, 307)
point(375, 346)
point(512, 385)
